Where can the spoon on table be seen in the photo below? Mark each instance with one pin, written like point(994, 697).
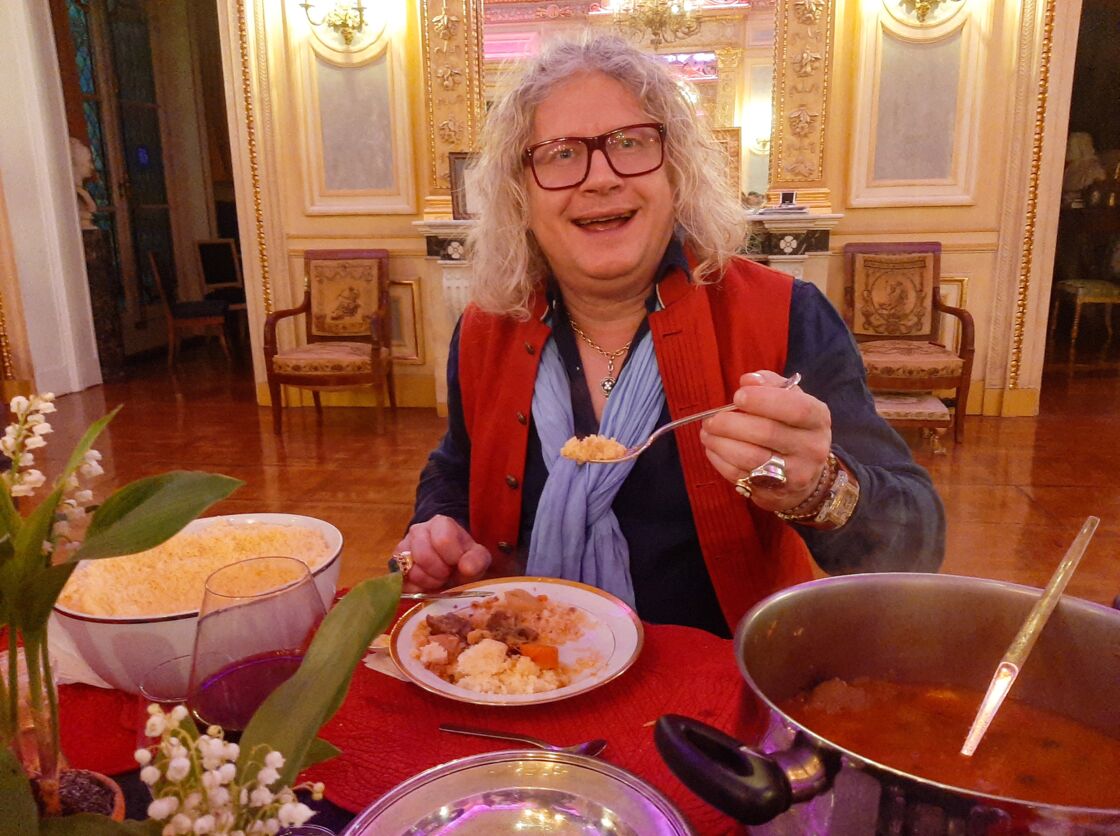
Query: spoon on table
point(590, 748)
point(635, 451)
point(1012, 661)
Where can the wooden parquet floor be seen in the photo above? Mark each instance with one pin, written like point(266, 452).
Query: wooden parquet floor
point(1016, 491)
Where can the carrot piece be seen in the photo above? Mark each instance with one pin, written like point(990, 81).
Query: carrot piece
point(546, 656)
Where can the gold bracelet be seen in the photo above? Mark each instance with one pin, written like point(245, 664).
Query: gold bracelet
point(809, 507)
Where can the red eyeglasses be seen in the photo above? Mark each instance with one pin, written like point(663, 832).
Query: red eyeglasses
point(565, 162)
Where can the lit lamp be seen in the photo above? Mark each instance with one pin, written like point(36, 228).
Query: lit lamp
point(665, 21)
point(345, 18)
point(923, 9)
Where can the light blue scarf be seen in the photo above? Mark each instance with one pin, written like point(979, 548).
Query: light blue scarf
point(575, 533)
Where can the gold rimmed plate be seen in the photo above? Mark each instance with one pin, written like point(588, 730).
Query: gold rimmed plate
point(612, 638)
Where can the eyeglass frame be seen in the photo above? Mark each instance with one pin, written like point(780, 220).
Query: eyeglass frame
point(593, 144)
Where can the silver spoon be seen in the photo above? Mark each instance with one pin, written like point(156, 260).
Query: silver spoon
point(634, 452)
point(590, 748)
point(439, 596)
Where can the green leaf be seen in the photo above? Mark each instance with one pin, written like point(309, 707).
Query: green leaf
point(87, 824)
point(29, 560)
point(293, 714)
point(10, 520)
point(20, 816)
point(147, 512)
point(40, 590)
point(319, 751)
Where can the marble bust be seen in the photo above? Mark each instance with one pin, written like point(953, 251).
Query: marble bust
point(81, 164)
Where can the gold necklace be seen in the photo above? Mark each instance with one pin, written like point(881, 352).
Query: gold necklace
point(608, 382)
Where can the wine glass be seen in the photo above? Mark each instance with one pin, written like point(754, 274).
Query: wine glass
point(165, 685)
point(256, 621)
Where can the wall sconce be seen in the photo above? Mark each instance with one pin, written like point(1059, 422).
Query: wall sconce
point(345, 18)
point(921, 10)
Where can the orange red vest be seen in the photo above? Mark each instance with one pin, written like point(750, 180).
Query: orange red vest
point(705, 337)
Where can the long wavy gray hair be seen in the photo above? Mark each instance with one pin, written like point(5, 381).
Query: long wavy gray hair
point(507, 262)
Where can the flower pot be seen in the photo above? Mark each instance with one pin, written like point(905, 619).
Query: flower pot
point(86, 791)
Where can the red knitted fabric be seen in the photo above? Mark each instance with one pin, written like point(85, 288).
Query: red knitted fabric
point(388, 729)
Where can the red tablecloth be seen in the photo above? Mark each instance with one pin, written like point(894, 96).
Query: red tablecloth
point(388, 729)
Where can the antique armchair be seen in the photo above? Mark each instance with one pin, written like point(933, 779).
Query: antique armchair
point(200, 317)
point(892, 304)
point(347, 330)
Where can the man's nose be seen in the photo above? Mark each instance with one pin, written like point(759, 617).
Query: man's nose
point(600, 174)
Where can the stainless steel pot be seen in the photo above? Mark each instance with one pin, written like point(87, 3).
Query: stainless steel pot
point(907, 628)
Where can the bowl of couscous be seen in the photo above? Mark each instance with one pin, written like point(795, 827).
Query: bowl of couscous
point(126, 614)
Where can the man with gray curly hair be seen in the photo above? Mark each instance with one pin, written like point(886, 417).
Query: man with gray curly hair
point(608, 299)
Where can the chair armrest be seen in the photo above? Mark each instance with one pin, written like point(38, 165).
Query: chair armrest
point(968, 328)
point(275, 317)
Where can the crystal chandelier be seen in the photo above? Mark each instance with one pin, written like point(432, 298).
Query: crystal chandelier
point(665, 21)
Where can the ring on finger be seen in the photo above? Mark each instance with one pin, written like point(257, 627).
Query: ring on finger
point(402, 562)
point(770, 474)
point(743, 486)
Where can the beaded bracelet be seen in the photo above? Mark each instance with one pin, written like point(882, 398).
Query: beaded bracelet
point(808, 508)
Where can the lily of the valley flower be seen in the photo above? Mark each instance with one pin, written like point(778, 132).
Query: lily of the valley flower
point(196, 787)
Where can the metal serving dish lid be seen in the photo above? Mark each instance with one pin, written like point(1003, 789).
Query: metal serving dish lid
point(512, 791)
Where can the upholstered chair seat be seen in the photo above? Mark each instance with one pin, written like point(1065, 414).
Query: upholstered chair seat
point(327, 358)
point(1083, 292)
point(907, 358)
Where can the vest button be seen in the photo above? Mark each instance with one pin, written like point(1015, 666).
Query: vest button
point(504, 547)
point(530, 348)
point(511, 480)
point(522, 418)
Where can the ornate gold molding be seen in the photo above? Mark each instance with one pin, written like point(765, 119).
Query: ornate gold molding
point(254, 167)
point(728, 61)
point(451, 32)
point(802, 64)
point(1019, 324)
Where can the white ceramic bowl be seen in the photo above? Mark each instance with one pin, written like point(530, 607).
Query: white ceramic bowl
point(122, 649)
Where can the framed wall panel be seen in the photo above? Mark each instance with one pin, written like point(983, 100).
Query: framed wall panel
point(917, 114)
point(353, 118)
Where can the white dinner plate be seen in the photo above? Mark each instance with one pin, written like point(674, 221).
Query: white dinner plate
point(614, 635)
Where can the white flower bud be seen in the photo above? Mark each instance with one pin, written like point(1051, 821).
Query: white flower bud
point(204, 824)
point(232, 750)
point(20, 405)
point(181, 823)
point(294, 814)
point(227, 772)
point(142, 756)
point(271, 826)
point(34, 442)
point(178, 769)
point(260, 797)
point(178, 714)
point(219, 798)
point(155, 725)
point(274, 759)
point(39, 425)
point(149, 775)
point(161, 808)
point(268, 776)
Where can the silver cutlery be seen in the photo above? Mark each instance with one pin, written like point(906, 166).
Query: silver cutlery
point(590, 748)
point(439, 596)
point(634, 452)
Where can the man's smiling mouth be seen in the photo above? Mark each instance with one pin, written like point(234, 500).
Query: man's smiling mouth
point(604, 221)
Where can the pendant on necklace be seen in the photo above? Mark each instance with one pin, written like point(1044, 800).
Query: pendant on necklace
point(607, 385)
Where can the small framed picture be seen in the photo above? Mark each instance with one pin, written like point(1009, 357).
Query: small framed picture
point(462, 207)
point(789, 198)
point(407, 334)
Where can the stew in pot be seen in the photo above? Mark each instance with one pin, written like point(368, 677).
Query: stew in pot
point(1027, 753)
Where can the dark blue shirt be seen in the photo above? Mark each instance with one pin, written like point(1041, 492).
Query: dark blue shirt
point(899, 523)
